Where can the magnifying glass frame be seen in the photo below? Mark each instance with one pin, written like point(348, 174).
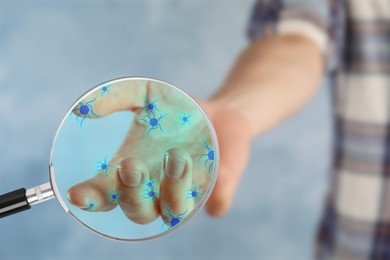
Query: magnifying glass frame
point(23, 199)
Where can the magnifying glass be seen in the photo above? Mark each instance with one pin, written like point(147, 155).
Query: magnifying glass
point(133, 159)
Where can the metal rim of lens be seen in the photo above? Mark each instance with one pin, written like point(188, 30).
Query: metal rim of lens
point(193, 212)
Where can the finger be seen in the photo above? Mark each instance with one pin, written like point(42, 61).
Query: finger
point(95, 194)
point(220, 199)
point(139, 195)
point(234, 150)
point(118, 96)
point(174, 202)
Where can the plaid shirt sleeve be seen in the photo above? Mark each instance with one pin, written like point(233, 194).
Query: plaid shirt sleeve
point(320, 20)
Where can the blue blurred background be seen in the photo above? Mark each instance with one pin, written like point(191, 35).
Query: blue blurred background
point(50, 53)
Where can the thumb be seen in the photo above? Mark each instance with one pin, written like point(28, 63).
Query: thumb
point(111, 97)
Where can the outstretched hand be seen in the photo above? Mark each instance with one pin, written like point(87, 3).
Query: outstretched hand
point(155, 177)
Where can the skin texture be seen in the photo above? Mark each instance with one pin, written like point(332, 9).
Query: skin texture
point(271, 80)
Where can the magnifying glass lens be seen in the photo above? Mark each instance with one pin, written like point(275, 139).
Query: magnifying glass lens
point(134, 159)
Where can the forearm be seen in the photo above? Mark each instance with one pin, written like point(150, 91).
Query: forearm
point(271, 80)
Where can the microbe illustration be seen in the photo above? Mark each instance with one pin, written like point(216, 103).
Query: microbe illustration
point(153, 122)
point(149, 191)
point(103, 166)
point(184, 119)
point(105, 89)
point(149, 184)
point(91, 205)
point(83, 111)
point(151, 106)
point(194, 194)
point(151, 194)
point(208, 155)
point(113, 196)
point(173, 220)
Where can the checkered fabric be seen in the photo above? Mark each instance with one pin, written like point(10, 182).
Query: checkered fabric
point(355, 38)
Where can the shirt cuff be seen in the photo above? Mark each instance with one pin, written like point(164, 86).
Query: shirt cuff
point(305, 28)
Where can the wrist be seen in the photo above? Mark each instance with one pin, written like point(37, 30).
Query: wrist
point(223, 112)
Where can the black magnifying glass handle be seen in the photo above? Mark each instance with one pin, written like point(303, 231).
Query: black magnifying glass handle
point(13, 202)
point(21, 199)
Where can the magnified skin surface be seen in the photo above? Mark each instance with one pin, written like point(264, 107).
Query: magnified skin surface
point(164, 164)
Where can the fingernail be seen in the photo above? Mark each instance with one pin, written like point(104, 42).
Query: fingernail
point(130, 178)
point(173, 166)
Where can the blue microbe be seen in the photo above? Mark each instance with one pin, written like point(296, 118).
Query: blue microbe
point(105, 89)
point(149, 183)
point(151, 194)
point(103, 166)
point(153, 123)
point(173, 220)
point(194, 193)
point(149, 190)
point(91, 205)
point(151, 106)
point(114, 196)
point(84, 110)
point(209, 155)
point(184, 119)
